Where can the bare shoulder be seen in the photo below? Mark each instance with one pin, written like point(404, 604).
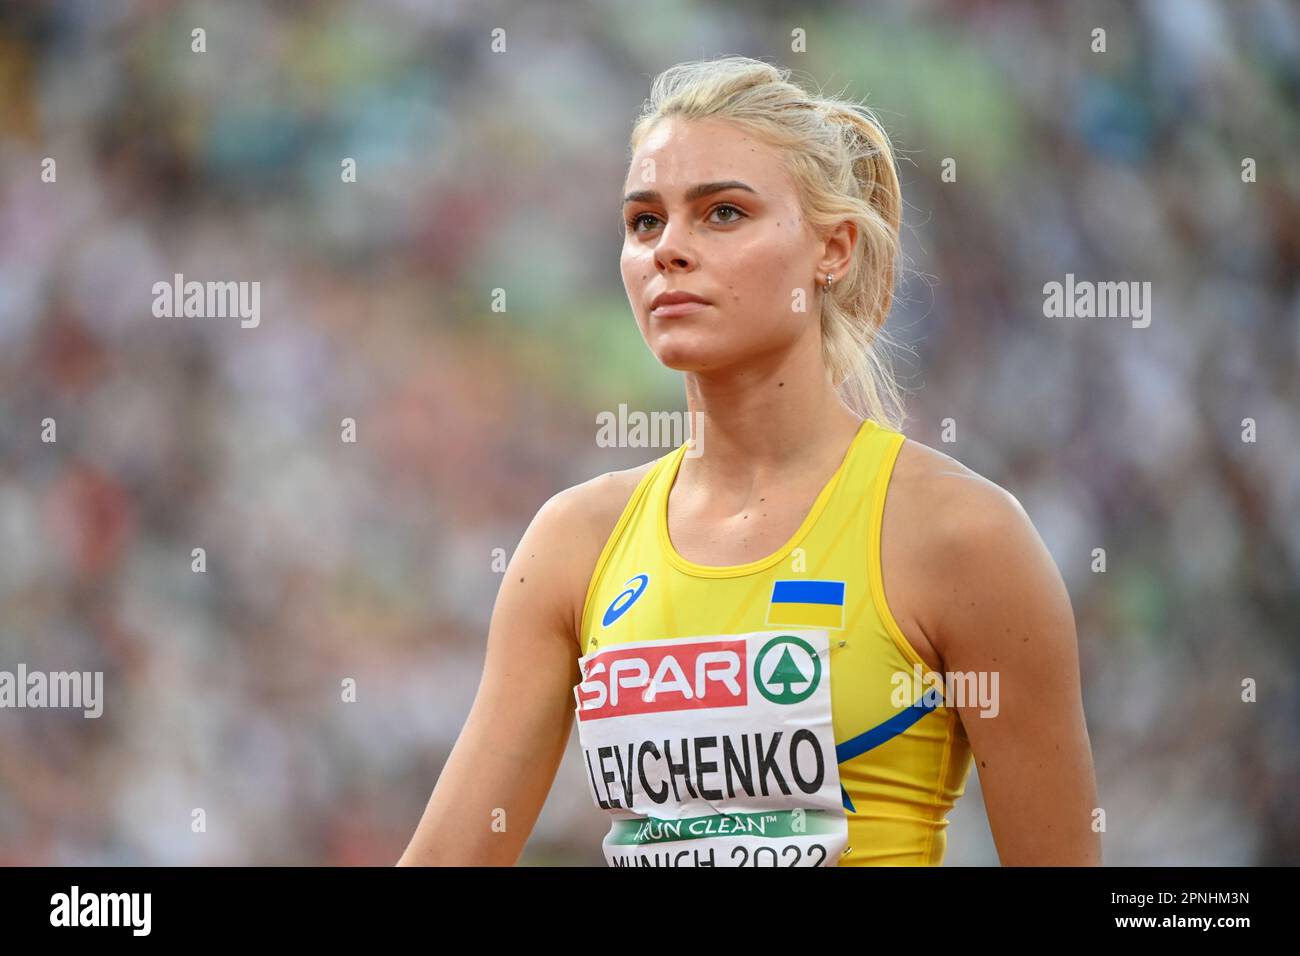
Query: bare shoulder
point(954, 497)
point(947, 528)
point(598, 502)
point(573, 526)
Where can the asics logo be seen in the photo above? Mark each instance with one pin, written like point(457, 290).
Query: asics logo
point(626, 598)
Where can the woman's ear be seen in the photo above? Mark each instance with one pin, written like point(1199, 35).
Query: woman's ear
point(837, 252)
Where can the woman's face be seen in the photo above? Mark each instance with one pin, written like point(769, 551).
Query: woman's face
point(712, 211)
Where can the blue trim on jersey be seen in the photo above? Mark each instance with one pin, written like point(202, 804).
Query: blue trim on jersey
point(889, 729)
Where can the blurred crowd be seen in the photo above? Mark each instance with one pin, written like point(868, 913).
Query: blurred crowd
point(226, 736)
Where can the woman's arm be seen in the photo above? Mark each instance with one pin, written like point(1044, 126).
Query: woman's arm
point(500, 771)
point(998, 605)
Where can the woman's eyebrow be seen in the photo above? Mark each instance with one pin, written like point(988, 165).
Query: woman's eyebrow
point(695, 192)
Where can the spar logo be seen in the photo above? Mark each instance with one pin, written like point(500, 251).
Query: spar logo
point(665, 677)
point(787, 670)
point(626, 598)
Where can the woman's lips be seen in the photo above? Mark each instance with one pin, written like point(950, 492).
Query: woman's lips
point(677, 308)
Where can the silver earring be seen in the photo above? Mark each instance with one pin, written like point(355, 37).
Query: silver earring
point(830, 277)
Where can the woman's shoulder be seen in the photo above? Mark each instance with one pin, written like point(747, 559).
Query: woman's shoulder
point(927, 481)
point(574, 524)
point(957, 537)
point(597, 503)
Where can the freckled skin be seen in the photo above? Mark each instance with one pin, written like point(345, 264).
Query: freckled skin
point(739, 259)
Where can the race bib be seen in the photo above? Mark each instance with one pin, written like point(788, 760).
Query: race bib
point(714, 751)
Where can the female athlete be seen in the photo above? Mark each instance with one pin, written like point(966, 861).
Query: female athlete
point(787, 641)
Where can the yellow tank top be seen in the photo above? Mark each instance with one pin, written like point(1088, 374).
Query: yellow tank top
point(900, 768)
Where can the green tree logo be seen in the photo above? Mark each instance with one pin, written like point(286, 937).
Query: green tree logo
point(782, 685)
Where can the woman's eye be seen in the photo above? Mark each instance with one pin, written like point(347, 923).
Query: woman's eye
point(634, 222)
point(728, 207)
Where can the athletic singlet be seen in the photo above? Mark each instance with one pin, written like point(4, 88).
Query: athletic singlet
point(707, 729)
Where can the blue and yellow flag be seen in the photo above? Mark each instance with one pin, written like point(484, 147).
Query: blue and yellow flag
point(807, 604)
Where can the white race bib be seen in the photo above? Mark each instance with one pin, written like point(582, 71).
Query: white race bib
point(714, 751)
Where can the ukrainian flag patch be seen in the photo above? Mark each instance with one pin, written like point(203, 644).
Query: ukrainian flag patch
point(807, 604)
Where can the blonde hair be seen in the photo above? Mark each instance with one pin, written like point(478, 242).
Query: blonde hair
point(842, 160)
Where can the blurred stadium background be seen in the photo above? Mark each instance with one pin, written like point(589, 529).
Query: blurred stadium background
point(481, 170)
